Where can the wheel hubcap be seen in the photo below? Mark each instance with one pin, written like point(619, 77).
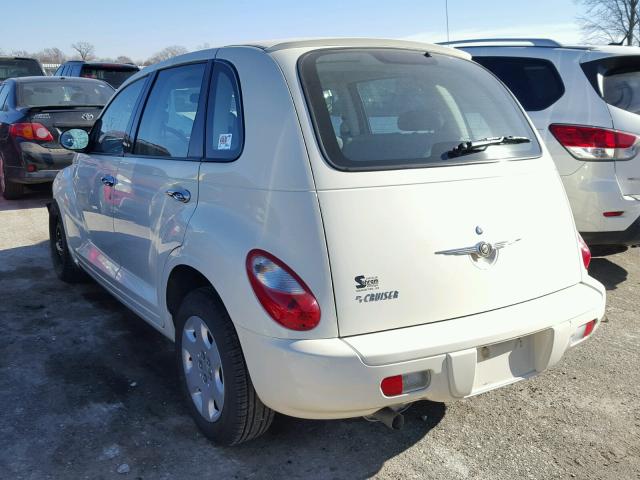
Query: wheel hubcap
point(202, 368)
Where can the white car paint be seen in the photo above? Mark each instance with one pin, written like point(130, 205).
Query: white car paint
point(330, 226)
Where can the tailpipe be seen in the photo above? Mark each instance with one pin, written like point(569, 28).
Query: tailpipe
point(389, 417)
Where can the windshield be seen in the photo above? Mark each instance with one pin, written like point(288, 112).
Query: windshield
point(390, 108)
point(18, 67)
point(63, 93)
point(113, 75)
point(622, 90)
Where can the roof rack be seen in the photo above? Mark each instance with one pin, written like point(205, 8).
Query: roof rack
point(534, 42)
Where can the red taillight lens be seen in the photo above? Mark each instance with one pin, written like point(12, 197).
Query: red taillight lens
point(31, 131)
point(391, 386)
point(281, 292)
point(613, 214)
point(584, 250)
point(591, 143)
point(588, 329)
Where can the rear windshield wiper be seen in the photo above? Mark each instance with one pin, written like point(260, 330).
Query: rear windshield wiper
point(481, 145)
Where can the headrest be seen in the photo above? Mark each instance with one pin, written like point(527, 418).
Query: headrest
point(418, 121)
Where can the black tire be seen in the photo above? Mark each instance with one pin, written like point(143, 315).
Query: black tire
point(10, 190)
point(66, 270)
point(243, 416)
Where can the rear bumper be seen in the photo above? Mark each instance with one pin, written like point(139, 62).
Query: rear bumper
point(629, 237)
point(340, 377)
point(46, 162)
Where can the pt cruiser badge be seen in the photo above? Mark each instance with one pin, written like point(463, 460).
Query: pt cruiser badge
point(480, 249)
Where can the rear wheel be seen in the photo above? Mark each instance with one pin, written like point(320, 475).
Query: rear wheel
point(64, 266)
point(213, 372)
point(10, 190)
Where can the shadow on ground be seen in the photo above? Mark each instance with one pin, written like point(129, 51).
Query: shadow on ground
point(35, 196)
point(607, 272)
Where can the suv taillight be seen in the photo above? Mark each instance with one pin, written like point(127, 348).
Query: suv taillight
point(31, 131)
point(584, 250)
point(281, 292)
point(592, 143)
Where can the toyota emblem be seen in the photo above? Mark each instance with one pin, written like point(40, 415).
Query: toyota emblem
point(87, 116)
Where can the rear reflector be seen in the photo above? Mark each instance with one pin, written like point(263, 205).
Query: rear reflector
point(31, 131)
point(584, 250)
point(31, 168)
point(592, 143)
point(409, 382)
point(612, 214)
point(281, 292)
point(583, 331)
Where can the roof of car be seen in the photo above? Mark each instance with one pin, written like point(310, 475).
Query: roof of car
point(18, 58)
point(539, 43)
point(270, 46)
point(54, 79)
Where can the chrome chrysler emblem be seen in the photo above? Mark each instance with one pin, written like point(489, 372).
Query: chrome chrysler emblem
point(480, 249)
point(87, 116)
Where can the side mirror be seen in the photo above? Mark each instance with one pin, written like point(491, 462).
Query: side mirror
point(75, 139)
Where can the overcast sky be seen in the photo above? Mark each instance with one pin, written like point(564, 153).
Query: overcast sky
point(138, 29)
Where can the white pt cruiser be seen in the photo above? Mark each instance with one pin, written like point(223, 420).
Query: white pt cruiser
point(327, 229)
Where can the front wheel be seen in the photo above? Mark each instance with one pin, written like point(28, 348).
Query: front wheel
point(213, 372)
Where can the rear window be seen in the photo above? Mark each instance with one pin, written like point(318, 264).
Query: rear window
point(534, 81)
point(389, 108)
point(622, 90)
point(113, 75)
point(11, 68)
point(63, 93)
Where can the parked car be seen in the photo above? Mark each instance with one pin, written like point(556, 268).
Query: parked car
point(33, 112)
point(327, 229)
point(13, 67)
point(113, 73)
point(585, 102)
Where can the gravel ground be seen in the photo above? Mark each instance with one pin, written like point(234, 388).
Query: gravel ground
point(88, 390)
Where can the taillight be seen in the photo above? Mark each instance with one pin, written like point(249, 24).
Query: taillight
point(31, 131)
point(584, 250)
point(281, 292)
point(592, 143)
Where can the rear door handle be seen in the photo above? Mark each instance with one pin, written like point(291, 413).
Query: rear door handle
point(181, 195)
point(108, 180)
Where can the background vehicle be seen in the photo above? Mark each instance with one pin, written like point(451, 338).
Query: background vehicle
point(112, 73)
point(12, 67)
point(585, 102)
point(33, 112)
point(436, 269)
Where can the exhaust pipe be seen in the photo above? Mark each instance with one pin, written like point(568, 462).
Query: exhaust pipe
point(391, 418)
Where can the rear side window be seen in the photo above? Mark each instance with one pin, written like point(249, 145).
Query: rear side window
point(389, 108)
point(114, 75)
point(622, 90)
point(170, 112)
point(63, 93)
point(225, 132)
point(534, 81)
point(19, 67)
point(110, 130)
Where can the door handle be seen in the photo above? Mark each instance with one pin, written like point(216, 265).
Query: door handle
point(108, 180)
point(181, 195)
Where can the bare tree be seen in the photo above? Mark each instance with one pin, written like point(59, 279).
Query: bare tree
point(166, 53)
point(611, 21)
point(20, 53)
point(84, 49)
point(124, 59)
point(51, 55)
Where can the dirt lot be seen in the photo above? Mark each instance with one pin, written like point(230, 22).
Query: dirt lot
point(86, 387)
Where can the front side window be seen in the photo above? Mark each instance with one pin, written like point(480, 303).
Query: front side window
point(390, 108)
point(224, 123)
point(535, 82)
point(170, 112)
point(110, 130)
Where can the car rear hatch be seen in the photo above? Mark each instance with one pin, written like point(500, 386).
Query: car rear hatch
point(415, 234)
point(617, 80)
point(57, 119)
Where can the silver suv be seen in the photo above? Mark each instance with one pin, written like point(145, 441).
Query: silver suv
point(584, 101)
